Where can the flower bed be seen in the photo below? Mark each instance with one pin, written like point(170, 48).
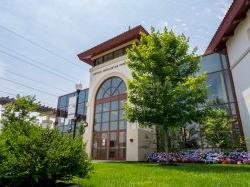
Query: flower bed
point(202, 157)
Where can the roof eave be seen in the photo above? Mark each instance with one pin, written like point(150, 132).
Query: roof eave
point(235, 14)
point(116, 41)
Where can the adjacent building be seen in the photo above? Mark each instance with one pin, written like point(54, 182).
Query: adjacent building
point(45, 116)
point(233, 39)
point(64, 122)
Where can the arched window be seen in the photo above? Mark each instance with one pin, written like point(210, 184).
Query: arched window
point(109, 142)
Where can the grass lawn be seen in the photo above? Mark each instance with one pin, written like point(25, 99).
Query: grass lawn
point(153, 175)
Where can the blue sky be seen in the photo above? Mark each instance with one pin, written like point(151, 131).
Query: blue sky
point(67, 27)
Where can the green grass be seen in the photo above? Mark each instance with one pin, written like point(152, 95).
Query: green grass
point(153, 175)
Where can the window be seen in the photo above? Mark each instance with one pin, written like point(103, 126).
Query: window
point(210, 63)
point(219, 83)
point(111, 56)
point(119, 53)
point(107, 57)
point(109, 120)
point(98, 61)
point(216, 87)
point(62, 110)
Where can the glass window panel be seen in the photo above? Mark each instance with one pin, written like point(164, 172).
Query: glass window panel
point(121, 103)
point(81, 96)
point(95, 153)
point(104, 140)
point(114, 115)
point(229, 86)
point(112, 140)
point(99, 61)
point(97, 126)
point(104, 154)
point(121, 114)
point(119, 53)
point(106, 106)
point(107, 93)
point(98, 108)
point(85, 110)
point(112, 146)
point(62, 101)
point(114, 91)
point(63, 112)
point(107, 57)
point(80, 108)
point(112, 153)
point(210, 63)
point(100, 93)
point(106, 85)
point(86, 94)
point(216, 87)
point(122, 139)
point(122, 153)
point(116, 81)
point(122, 124)
point(105, 116)
point(224, 61)
point(105, 126)
point(95, 141)
point(114, 105)
point(233, 110)
point(113, 125)
point(122, 88)
point(98, 118)
point(67, 128)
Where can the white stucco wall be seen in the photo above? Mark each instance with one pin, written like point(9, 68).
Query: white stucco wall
point(238, 48)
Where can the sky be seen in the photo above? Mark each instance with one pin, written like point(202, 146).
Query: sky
point(40, 40)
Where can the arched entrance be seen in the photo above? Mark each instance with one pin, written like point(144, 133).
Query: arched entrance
point(109, 133)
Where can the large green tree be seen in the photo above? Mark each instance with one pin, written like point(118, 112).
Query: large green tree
point(165, 89)
point(33, 156)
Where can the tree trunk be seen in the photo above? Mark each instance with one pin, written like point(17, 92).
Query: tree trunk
point(201, 137)
point(166, 142)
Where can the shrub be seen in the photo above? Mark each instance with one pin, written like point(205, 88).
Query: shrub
point(33, 156)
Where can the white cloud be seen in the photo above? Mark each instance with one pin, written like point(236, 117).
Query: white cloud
point(223, 10)
point(178, 20)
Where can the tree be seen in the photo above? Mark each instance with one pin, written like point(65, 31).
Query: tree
point(33, 156)
point(217, 128)
point(165, 90)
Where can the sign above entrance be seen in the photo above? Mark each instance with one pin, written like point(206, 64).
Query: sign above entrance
point(108, 69)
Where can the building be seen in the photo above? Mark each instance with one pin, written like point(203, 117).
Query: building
point(233, 39)
point(45, 116)
point(109, 136)
point(63, 121)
